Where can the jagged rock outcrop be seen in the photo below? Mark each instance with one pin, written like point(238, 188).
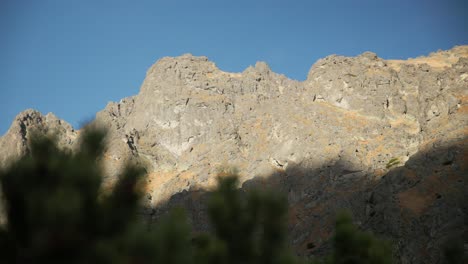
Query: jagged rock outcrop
point(14, 143)
point(332, 141)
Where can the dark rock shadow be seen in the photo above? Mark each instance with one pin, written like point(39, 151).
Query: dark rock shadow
point(418, 206)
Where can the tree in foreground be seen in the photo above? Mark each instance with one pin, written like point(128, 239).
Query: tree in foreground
point(247, 228)
point(352, 246)
point(58, 213)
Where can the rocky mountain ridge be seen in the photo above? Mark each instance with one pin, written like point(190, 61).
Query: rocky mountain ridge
point(352, 135)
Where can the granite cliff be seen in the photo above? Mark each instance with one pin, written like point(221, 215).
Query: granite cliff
point(386, 139)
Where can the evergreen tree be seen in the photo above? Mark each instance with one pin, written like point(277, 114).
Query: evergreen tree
point(57, 212)
point(352, 246)
point(246, 230)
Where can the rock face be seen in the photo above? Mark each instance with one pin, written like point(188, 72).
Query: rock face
point(386, 139)
point(14, 143)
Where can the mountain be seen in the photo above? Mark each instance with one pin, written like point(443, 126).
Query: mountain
point(386, 139)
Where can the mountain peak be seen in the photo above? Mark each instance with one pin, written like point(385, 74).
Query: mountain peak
point(342, 130)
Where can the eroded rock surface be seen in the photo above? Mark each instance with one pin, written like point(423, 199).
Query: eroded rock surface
point(360, 132)
point(14, 143)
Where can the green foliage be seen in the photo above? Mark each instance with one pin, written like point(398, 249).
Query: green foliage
point(352, 246)
point(392, 162)
point(249, 229)
point(58, 213)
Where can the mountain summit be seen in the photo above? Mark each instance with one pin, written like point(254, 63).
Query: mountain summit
point(384, 138)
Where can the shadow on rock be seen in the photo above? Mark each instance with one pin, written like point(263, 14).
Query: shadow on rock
point(418, 206)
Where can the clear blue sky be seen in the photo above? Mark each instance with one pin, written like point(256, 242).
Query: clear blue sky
point(72, 57)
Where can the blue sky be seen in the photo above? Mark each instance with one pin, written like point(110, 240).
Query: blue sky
point(72, 57)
